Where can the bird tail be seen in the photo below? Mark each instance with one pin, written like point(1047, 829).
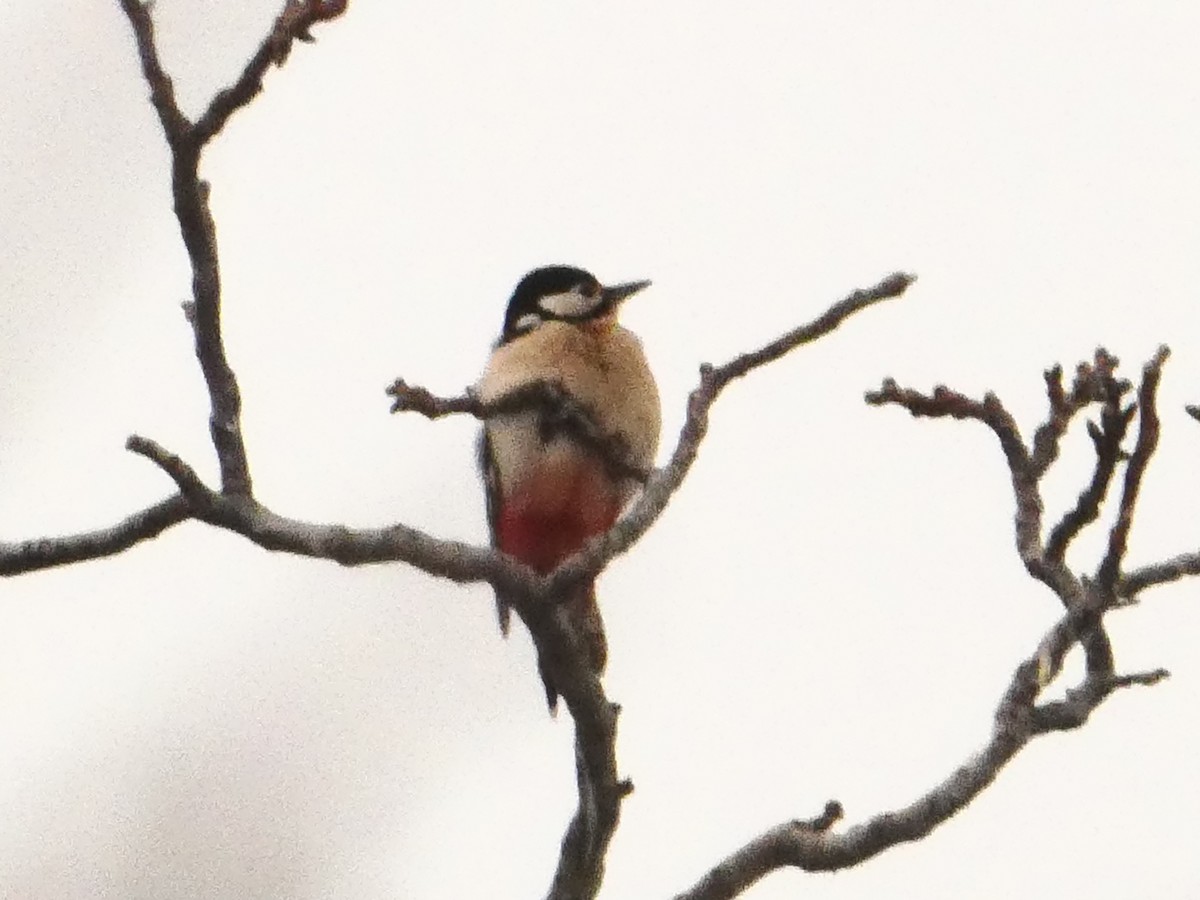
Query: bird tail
point(583, 616)
point(503, 613)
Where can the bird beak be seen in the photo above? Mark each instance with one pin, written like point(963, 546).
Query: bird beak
point(619, 292)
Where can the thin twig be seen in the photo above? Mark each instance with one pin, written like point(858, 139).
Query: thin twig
point(558, 412)
point(189, 483)
point(1147, 441)
point(1133, 583)
point(413, 398)
point(196, 226)
point(175, 124)
point(291, 25)
point(47, 552)
point(1027, 521)
point(1107, 440)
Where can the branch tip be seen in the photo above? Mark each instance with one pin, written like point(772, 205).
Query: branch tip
point(184, 476)
point(830, 816)
point(414, 398)
point(1140, 679)
point(296, 21)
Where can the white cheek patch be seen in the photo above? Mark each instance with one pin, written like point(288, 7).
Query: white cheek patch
point(527, 323)
point(570, 304)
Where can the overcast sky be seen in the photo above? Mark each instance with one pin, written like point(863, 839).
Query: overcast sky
point(832, 605)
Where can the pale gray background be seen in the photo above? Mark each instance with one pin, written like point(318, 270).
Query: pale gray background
point(832, 605)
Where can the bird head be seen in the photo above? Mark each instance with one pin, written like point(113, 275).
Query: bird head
point(563, 294)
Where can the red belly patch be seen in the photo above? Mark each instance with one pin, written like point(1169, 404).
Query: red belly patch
point(554, 513)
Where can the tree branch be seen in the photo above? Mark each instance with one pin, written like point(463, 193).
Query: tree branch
point(1133, 583)
point(186, 142)
point(191, 195)
point(1147, 441)
point(292, 24)
point(191, 487)
point(584, 847)
point(175, 124)
point(43, 553)
point(1019, 717)
point(1017, 722)
point(559, 411)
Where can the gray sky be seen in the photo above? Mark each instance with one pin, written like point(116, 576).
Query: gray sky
point(832, 605)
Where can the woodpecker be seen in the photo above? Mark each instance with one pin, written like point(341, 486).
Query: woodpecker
point(549, 487)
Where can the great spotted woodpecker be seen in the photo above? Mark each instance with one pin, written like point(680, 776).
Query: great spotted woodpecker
point(551, 485)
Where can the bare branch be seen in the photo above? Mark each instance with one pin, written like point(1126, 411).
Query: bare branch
point(991, 412)
point(1147, 441)
point(200, 238)
point(186, 141)
point(196, 226)
point(43, 553)
point(191, 194)
point(559, 411)
point(584, 848)
point(1019, 718)
point(1140, 679)
point(189, 483)
point(1017, 722)
point(1096, 383)
point(945, 402)
point(175, 124)
point(733, 875)
point(1075, 710)
point(1133, 583)
point(452, 560)
point(292, 24)
point(1107, 440)
point(892, 286)
point(412, 398)
point(1046, 438)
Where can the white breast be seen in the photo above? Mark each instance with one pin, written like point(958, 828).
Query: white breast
point(603, 368)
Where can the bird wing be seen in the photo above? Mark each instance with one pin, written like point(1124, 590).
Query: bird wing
point(491, 488)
